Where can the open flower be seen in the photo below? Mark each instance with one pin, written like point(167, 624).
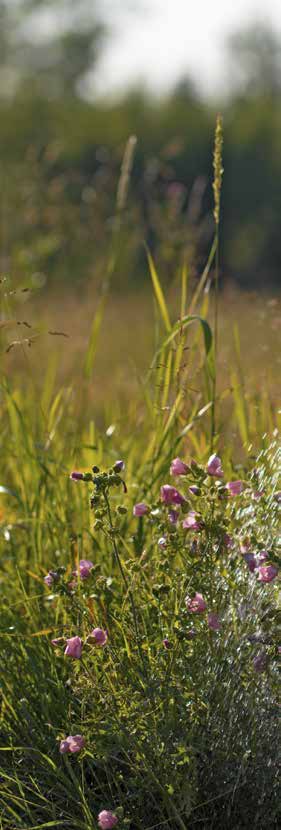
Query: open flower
point(140, 509)
point(98, 637)
point(107, 820)
point(267, 573)
point(214, 467)
point(74, 743)
point(235, 488)
point(170, 495)
point(178, 468)
point(74, 647)
point(193, 521)
point(196, 605)
point(84, 568)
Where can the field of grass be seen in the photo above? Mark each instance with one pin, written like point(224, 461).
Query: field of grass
point(140, 618)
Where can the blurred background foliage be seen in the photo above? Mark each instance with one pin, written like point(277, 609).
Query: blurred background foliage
point(61, 150)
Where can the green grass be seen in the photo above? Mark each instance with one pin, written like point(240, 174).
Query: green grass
point(174, 737)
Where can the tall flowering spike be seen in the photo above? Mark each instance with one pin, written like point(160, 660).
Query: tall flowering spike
point(267, 573)
point(214, 467)
point(107, 820)
point(196, 605)
point(214, 622)
point(235, 488)
point(74, 647)
point(218, 168)
point(140, 509)
point(76, 476)
point(98, 637)
point(178, 468)
point(74, 743)
point(169, 495)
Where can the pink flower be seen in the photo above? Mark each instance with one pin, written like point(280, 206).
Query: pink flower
point(214, 467)
point(251, 561)
point(85, 566)
point(140, 509)
point(118, 466)
point(194, 490)
point(192, 521)
point(262, 556)
point(178, 468)
point(167, 644)
point(74, 743)
point(74, 647)
point(173, 516)
point(214, 622)
point(170, 495)
point(260, 662)
point(107, 820)
point(235, 488)
point(245, 545)
point(98, 637)
point(257, 495)
point(76, 476)
point(196, 605)
point(49, 579)
point(267, 573)
point(228, 541)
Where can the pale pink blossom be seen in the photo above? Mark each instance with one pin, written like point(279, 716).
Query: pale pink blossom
point(49, 579)
point(213, 621)
point(196, 605)
point(162, 542)
point(98, 637)
point(74, 743)
point(267, 573)
point(107, 820)
point(178, 468)
point(74, 647)
point(140, 509)
point(192, 521)
point(235, 488)
point(214, 467)
point(170, 495)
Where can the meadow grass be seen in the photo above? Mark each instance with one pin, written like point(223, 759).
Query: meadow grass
point(177, 703)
